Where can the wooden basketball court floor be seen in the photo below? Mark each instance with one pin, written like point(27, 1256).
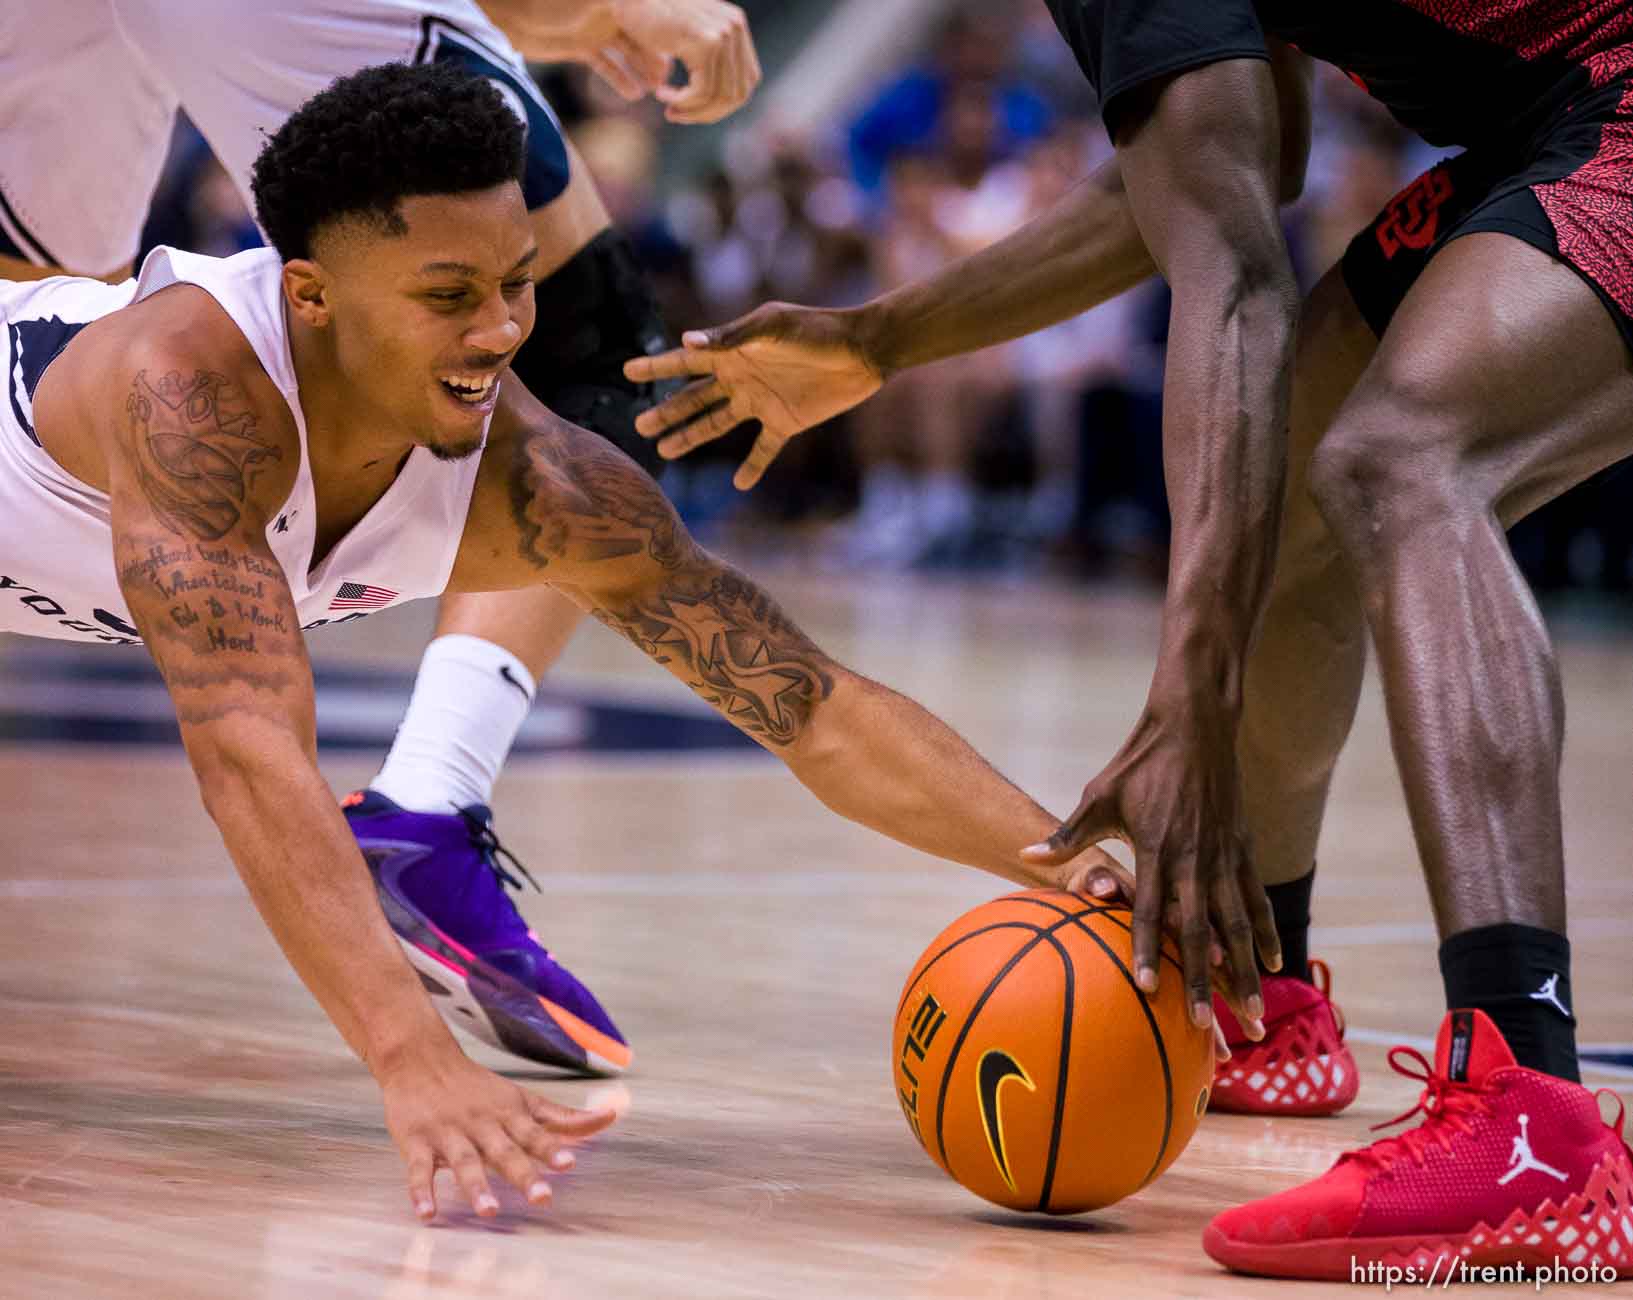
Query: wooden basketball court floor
point(178, 1120)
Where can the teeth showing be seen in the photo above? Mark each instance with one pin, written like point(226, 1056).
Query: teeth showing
point(470, 388)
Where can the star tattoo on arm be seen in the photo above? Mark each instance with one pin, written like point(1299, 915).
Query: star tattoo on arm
point(732, 645)
point(585, 512)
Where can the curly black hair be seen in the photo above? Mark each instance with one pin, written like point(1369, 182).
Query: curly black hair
point(375, 138)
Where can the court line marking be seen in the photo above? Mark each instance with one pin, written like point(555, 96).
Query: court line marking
point(1386, 932)
point(553, 722)
point(52, 1165)
point(797, 884)
point(713, 882)
point(707, 883)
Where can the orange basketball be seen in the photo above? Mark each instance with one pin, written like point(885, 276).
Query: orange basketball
point(1031, 1067)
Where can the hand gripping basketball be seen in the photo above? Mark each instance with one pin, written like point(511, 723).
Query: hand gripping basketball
point(1102, 877)
point(1173, 794)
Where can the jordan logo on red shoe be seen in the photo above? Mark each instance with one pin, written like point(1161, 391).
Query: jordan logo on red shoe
point(1522, 1157)
point(1549, 992)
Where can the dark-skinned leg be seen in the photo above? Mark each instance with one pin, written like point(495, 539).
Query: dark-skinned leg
point(1501, 382)
point(1304, 676)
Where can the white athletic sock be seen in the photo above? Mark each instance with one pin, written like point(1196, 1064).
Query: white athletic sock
point(469, 701)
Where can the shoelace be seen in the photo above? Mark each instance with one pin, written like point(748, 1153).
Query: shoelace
point(1445, 1104)
point(1321, 977)
point(486, 842)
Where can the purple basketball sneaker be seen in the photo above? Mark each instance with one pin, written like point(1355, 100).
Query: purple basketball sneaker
point(441, 883)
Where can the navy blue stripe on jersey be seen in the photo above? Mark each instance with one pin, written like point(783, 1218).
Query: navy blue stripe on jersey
point(32, 346)
point(546, 168)
point(9, 247)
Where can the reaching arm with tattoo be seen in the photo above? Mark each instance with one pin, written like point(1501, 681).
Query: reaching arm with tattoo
point(215, 610)
point(588, 520)
point(195, 464)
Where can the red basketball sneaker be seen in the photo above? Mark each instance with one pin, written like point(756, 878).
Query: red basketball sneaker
point(1508, 1167)
point(1301, 1067)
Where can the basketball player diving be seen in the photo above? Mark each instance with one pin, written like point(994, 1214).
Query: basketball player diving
point(1466, 362)
point(77, 170)
point(211, 452)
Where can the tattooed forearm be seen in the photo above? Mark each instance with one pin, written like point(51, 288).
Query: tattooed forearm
point(571, 493)
point(196, 450)
point(732, 645)
point(607, 535)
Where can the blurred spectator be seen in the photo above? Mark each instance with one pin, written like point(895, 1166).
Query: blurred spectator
point(221, 224)
point(1049, 447)
point(784, 230)
point(1073, 374)
point(195, 205)
point(981, 198)
point(932, 492)
point(1360, 157)
point(915, 441)
point(1046, 64)
point(907, 115)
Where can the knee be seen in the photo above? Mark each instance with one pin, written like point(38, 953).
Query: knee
point(1389, 469)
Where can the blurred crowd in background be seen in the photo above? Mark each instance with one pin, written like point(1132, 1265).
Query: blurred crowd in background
point(1041, 456)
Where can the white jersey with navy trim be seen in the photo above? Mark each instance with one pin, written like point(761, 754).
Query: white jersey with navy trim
point(57, 576)
point(89, 91)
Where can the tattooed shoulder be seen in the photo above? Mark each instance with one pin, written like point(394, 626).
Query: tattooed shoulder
point(197, 448)
point(574, 494)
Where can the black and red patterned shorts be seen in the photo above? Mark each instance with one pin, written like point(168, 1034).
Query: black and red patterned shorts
point(1569, 192)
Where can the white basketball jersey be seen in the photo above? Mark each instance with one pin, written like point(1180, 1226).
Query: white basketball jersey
point(57, 575)
point(89, 91)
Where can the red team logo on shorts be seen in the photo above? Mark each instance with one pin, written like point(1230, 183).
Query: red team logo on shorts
point(1412, 218)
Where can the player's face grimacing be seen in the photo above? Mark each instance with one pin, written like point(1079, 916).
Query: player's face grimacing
point(422, 324)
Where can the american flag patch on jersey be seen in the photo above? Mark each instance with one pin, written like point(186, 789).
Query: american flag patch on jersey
point(359, 595)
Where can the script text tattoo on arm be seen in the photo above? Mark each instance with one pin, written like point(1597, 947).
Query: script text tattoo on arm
point(209, 605)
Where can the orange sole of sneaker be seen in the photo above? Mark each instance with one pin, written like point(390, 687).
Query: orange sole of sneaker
point(607, 1055)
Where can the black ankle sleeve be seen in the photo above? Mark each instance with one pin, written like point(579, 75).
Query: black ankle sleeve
point(1520, 976)
point(1290, 902)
